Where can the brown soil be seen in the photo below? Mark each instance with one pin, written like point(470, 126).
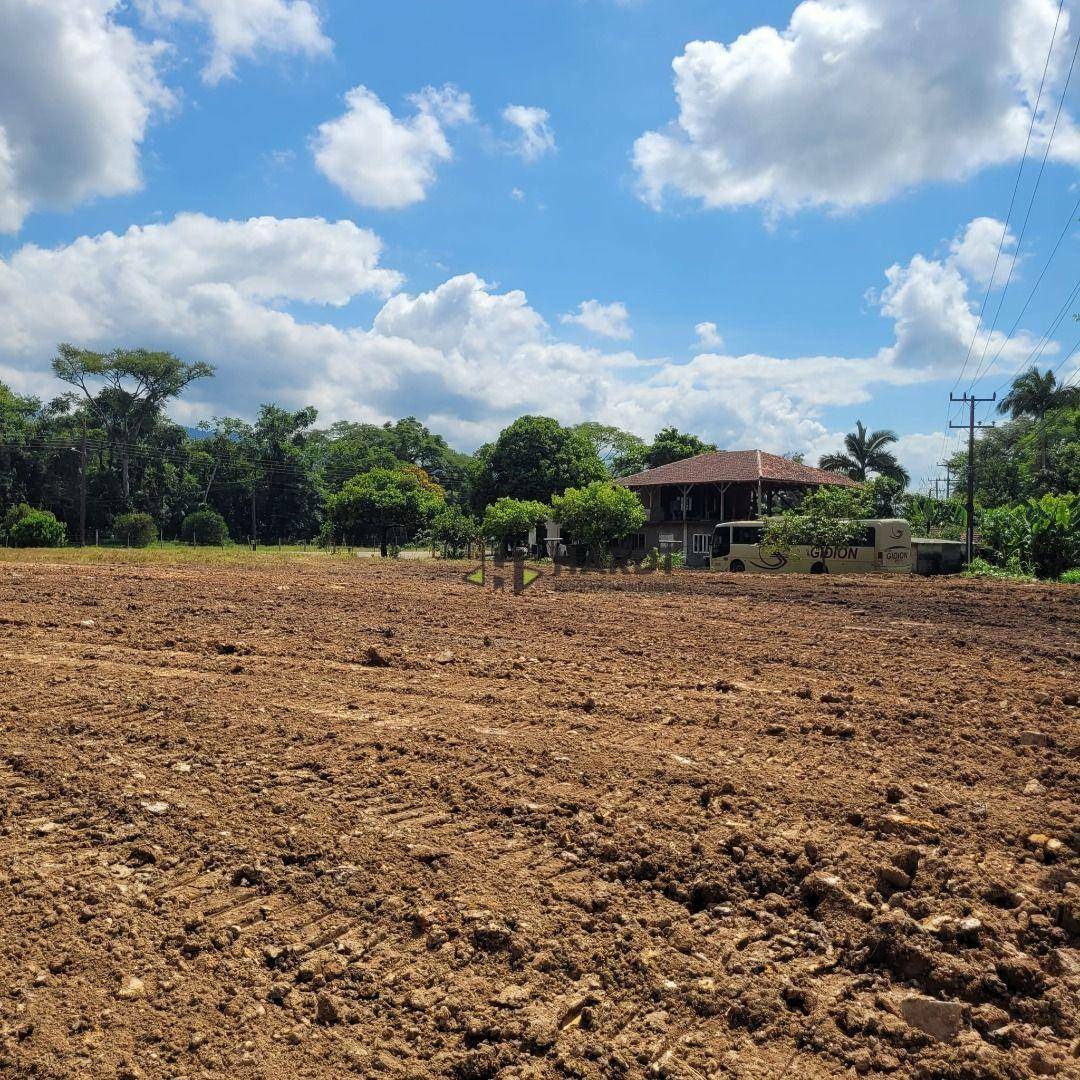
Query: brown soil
point(323, 819)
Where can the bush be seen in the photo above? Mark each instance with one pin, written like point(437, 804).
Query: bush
point(1054, 521)
point(1005, 535)
point(453, 531)
point(135, 530)
point(26, 527)
point(325, 539)
point(509, 520)
point(205, 526)
point(1071, 577)
point(980, 568)
point(829, 516)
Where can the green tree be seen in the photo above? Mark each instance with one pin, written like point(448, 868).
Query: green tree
point(598, 514)
point(622, 452)
point(1026, 458)
point(1034, 394)
point(509, 520)
point(888, 497)
point(866, 453)
point(533, 459)
point(382, 499)
point(453, 530)
point(135, 385)
point(829, 517)
point(671, 444)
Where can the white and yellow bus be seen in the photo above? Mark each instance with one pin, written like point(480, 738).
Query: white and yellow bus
point(883, 545)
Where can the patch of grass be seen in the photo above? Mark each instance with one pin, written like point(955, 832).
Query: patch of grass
point(1071, 577)
point(980, 568)
point(167, 552)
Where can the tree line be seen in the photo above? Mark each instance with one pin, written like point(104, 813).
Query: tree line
point(104, 460)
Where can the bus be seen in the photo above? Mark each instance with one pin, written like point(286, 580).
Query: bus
point(883, 544)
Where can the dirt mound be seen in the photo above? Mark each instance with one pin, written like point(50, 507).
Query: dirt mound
point(330, 819)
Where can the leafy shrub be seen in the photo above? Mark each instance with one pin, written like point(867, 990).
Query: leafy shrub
point(25, 527)
point(12, 516)
point(393, 551)
point(1054, 521)
point(325, 539)
point(509, 520)
point(980, 568)
point(1071, 577)
point(454, 531)
point(829, 516)
point(135, 530)
point(1005, 535)
point(205, 526)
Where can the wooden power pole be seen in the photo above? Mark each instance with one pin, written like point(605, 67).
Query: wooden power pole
point(82, 489)
point(971, 426)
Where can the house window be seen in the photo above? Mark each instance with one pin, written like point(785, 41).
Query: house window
point(635, 541)
point(702, 544)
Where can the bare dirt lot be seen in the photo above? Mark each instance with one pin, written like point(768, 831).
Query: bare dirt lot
point(316, 818)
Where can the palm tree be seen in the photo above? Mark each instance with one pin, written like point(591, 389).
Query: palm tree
point(1034, 394)
point(866, 453)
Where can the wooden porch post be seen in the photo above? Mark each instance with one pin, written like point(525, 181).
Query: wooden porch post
point(686, 488)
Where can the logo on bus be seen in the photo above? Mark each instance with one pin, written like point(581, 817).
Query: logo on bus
point(834, 553)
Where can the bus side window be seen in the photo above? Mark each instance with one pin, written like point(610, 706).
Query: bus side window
point(746, 534)
point(722, 541)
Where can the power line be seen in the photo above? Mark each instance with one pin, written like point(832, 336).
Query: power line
point(1012, 200)
point(1031, 203)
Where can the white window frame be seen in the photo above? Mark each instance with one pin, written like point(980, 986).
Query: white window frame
point(702, 543)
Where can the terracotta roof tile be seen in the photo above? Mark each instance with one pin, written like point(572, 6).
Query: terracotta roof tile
point(734, 466)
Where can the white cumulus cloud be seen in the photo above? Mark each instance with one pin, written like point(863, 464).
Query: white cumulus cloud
point(708, 337)
point(975, 251)
point(244, 29)
point(535, 137)
point(856, 101)
point(383, 162)
point(604, 320)
point(77, 92)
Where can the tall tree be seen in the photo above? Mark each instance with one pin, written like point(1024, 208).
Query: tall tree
point(671, 444)
point(867, 453)
point(1034, 394)
point(534, 458)
point(134, 386)
point(265, 465)
point(619, 450)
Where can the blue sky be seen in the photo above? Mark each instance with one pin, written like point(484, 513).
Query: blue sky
point(825, 184)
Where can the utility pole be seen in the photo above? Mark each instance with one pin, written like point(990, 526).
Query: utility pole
point(82, 488)
point(971, 402)
point(254, 526)
point(948, 478)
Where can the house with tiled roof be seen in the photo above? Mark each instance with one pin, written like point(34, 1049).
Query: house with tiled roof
point(686, 499)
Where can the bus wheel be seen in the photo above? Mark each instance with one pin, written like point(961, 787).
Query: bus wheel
point(737, 566)
point(819, 568)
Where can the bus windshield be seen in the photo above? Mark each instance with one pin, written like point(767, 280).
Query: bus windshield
point(721, 541)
